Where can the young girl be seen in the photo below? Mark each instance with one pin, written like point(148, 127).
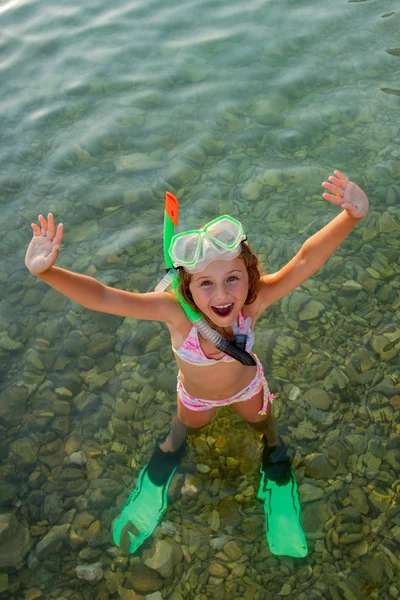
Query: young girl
point(230, 293)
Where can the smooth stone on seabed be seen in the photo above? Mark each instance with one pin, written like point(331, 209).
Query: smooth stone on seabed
point(143, 579)
point(78, 458)
point(166, 555)
point(252, 190)
point(196, 155)
point(358, 442)
point(15, 541)
point(218, 570)
point(33, 594)
point(232, 550)
point(315, 514)
point(312, 310)
point(24, 451)
point(380, 501)
point(7, 343)
point(317, 398)
point(385, 347)
point(358, 500)
point(126, 594)
point(91, 573)
point(309, 492)
point(135, 162)
point(320, 418)
point(351, 286)
point(286, 590)
point(359, 549)
point(55, 537)
point(305, 431)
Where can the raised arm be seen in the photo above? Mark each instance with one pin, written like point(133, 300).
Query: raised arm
point(320, 246)
point(90, 293)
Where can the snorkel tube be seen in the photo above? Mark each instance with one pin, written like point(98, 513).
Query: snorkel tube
point(171, 211)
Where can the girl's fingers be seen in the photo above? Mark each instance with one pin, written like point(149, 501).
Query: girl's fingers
point(59, 234)
point(333, 188)
point(51, 227)
point(36, 230)
point(337, 181)
point(43, 223)
point(341, 176)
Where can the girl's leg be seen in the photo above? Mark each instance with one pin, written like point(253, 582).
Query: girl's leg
point(265, 424)
point(275, 458)
point(169, 453)
point(185, 422)
point(138, 517)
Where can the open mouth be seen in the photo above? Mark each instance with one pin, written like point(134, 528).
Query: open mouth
point(224, 310)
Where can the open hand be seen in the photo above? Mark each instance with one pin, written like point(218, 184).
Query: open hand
point(43, 250)
point(347, 195)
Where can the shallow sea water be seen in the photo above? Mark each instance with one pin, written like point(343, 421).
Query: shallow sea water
point(239, 108)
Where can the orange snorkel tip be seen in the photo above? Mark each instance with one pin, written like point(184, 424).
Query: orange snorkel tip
point(172, 207)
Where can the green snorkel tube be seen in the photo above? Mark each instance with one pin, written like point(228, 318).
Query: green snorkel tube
point(171, 211)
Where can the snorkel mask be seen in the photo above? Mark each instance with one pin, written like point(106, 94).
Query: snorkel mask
point(194, 250)
point(219, 240)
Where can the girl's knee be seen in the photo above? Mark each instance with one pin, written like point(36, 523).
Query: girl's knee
point(194, 419)
point(256, 418)
point(263, 422)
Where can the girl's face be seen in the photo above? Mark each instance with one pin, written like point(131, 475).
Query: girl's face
point(220, 290)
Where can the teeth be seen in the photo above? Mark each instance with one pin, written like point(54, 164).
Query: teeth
point(223, 305)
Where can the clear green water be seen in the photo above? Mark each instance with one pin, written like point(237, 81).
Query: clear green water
point(235, 107)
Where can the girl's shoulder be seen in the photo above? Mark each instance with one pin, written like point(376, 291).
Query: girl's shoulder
point(174, 315)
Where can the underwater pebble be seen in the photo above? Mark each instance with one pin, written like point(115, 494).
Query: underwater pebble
point(15, 542)
point(78, 458)
point(165, 556)
point(52, 540)
point(91, 573)
point(24, 451)
point(7, 343)
point(309, 492)
point(286, 590)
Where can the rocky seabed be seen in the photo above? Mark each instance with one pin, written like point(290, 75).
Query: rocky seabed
point(85, 395)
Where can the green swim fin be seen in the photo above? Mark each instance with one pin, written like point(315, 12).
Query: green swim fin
point(278, 489)
point(147, 503)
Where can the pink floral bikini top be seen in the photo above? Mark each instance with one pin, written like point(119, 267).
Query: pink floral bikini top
point(191, 351)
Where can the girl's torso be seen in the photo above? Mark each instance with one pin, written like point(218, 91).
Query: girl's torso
point(215, 380)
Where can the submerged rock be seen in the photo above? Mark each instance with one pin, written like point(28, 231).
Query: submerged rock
point(135, 162)
point(166, 556)
point(317, 398)
point(143, 579)
point(358, 500)
point(91, 573)
point(78, 458)
point(8, 344)
point(24, 452)
point(53, 540)
point(309, 493)
point(15, 541)
point(319, 466)
point(312, 310)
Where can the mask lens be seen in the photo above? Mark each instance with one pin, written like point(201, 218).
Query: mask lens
point(225, 232)
point(185, 248)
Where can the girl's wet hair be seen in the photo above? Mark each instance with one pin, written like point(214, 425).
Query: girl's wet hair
point(253, 268)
